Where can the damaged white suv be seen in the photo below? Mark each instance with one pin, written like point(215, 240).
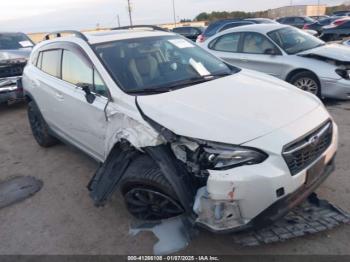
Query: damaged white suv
point(177, 130)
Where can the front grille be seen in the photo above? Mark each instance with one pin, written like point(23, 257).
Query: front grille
point(11, 70)
point(301, 153)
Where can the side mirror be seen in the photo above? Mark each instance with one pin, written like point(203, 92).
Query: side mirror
point(90, 97)
point(271, 51)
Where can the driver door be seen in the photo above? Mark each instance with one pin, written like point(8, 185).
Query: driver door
point(260, 54)
point(85, 124)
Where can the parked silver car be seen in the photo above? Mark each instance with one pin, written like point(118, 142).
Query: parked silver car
point(289, 54)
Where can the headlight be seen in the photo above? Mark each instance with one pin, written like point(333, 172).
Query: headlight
point(222, 157)
point(344, 73)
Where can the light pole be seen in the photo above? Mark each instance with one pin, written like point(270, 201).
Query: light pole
point(318, 7)
point(174, 13)
point(129, 10)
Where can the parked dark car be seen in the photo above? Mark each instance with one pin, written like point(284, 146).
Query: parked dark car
point(261, 20)
point(189, 32)
point(15, 49)
point(338, 30)
point(297, 21)
point(224, 24)
point(318, 25)
point(341, 13)
point(319, 17)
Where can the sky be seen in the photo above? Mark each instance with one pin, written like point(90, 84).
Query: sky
point(49, 15)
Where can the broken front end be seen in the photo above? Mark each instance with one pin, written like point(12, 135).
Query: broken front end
point(10, 80)
point(243, 187)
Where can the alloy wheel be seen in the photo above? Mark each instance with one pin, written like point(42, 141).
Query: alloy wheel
point(307, 84)
point(147, 204)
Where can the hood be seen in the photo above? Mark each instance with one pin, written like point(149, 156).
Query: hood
point(335, 52)
point(234, 109)
point(23, 53)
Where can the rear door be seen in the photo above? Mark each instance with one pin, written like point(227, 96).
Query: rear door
point(45, 84)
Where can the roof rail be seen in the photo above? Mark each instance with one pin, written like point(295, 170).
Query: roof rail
point(73, 32)
point(155, 28)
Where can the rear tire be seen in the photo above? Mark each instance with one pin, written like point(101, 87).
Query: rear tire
point(307, 81)
point(147, 193)
point(39, 127)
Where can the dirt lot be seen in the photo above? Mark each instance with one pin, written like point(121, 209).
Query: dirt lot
point(61, 218)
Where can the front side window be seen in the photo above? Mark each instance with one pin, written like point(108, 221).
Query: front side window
point(255, 43)
point(226, 43)
point(299, 20)
point(293, 40)
point(158, 64)
point(77, 70)
point(50, 62)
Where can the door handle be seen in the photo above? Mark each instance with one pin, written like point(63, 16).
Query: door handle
point(59, 96)
point(244, 60)
point(34, 83)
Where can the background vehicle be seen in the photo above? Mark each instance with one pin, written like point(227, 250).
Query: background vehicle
point(289, 54)
point(189, 32)
point(318, 25)
point(296, 21)
point(319, 17)
point(338, 30)
point(156, 111)
point(341, 13)
point(221, 25)
point(14, 52)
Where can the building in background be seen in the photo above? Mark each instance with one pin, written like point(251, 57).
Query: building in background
point(297, 10)
point(196, 24)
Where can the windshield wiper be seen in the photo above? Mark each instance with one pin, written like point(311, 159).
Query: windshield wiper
point(178, 84)
point(319, 45)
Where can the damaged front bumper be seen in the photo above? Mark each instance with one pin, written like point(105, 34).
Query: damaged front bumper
point(221, 216)
point(336, 88)
point(11, 90)
point(256, 195)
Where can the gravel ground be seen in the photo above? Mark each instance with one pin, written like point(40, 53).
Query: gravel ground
point(61, 218)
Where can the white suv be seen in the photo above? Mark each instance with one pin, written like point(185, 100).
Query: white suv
point(177, 130)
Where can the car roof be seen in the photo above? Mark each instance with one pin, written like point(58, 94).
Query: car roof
point(113, 35)
point(258, 28)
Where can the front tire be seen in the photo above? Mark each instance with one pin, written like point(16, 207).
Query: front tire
point(147, 193)
point(308, 82)
point(39, 127)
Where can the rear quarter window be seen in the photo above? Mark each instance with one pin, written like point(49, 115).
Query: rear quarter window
point(226, 43)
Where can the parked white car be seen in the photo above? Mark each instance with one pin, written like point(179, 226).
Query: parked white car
point(289, 54)
point(177, 130)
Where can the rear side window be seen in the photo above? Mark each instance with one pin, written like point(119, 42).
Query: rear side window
point(226, 43)
point(50, 62)
point(289, 20)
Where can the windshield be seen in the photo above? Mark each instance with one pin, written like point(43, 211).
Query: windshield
point(293, 40)
point(159, 63)
point(10, 41)
point(309, 19)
